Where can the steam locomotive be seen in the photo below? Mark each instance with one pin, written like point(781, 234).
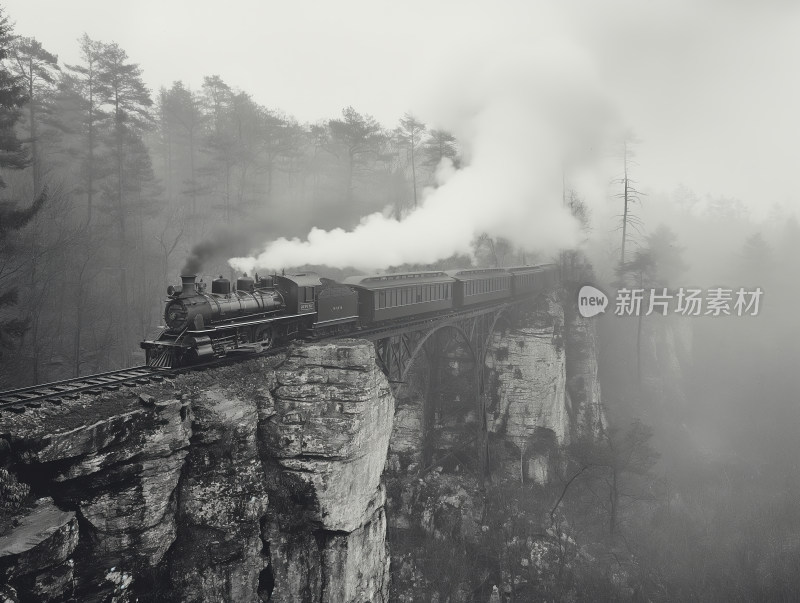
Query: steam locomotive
point(255, 313)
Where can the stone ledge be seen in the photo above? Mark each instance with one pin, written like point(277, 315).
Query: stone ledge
point(44, 537)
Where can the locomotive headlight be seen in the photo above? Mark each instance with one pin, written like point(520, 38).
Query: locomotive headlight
point(176, 315)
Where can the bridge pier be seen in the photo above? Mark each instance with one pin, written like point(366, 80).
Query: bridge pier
point(467, 333)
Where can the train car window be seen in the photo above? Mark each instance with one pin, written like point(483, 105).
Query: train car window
point(382, 299)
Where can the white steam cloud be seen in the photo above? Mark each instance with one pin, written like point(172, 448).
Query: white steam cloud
point(523, 115)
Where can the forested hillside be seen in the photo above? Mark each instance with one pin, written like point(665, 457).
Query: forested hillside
point(108, 186)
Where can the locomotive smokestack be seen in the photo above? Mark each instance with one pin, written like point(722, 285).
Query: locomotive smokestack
point(187, 285)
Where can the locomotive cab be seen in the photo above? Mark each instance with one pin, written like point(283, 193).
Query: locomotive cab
point(299, 291)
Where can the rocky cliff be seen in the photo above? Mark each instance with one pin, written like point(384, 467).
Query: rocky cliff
point(254, 482)
point(449, 529)
point(265, 481)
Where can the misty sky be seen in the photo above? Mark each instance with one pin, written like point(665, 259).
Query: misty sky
point(710, 87)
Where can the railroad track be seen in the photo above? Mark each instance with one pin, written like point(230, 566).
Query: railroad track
point(35, 396)
point(17, 400)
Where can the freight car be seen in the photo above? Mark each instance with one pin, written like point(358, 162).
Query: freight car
point(257, 312)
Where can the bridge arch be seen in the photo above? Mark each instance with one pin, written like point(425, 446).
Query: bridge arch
point(421, 344)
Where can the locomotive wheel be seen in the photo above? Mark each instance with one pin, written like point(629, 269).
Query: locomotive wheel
point(264, 336)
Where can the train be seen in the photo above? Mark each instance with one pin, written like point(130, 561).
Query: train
point(253, 314)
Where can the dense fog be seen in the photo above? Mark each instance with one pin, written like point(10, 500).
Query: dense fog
point(111, 189)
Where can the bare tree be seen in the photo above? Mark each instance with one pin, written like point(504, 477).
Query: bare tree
point(629, 194)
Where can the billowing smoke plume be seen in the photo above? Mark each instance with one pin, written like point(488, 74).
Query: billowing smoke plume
point(522, 120)
point(224, 241)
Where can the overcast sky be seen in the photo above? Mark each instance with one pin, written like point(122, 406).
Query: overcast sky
point(712, 88)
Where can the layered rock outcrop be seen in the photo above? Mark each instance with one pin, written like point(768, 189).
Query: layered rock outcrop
point(247, 483)
point(326, 438)
point(529, 410)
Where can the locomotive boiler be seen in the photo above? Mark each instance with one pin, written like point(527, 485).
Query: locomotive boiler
point(249, 316)
point(192, 306)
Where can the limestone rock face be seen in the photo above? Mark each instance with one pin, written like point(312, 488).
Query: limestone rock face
point(407, 441)
point(242, 483)
point(222, 497)
point(528, 384)
point(115, 465)
point(331, 428)
point(34, 555)
point(583, 385)
point(328, 437)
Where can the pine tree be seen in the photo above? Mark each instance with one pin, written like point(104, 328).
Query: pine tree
point(81, 83)
point(439, 145)
point(360, 138)
point(38, 69)
point(410, 133)
point(128, 101)
point(12, 218)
